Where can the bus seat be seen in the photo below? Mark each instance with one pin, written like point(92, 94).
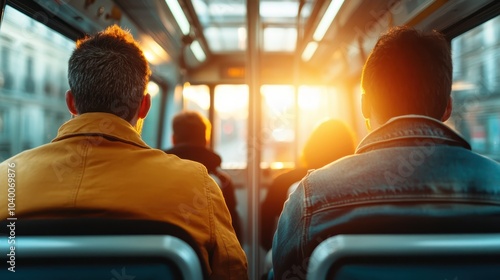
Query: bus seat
point(100, 249)
point(407, 256)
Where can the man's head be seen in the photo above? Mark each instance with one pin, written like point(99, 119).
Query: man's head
point(108, 73)
point(408, 72)
point(330, 140)
point(190, 128)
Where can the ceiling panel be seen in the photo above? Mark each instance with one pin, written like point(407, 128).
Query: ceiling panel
point(224, 24)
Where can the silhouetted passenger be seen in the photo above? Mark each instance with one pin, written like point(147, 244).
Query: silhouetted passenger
point(330, 140)
point(191, 134)
point(410, 163)
point(99, 161)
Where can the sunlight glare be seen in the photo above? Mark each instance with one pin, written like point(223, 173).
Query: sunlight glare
point(153, 52)
point(242, 38)
point(231, 98)
point(153, 89)
point(277, 165)
point(309, 98)
point(278, 97)
point(197, 94)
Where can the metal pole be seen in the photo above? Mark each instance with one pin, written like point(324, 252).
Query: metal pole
point(211, 113)
point(254, 128)
point(296, 83)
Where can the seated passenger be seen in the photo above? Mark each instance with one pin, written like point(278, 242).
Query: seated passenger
point(99, 161)
point(411, 157)
point(191, 134)
point(330, 140)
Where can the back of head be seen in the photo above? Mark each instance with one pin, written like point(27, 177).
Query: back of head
point(329, 141)
point(408, 72)
point(108, 73)
point(190, 127)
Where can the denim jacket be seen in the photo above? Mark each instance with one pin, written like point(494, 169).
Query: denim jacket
point(411, 160)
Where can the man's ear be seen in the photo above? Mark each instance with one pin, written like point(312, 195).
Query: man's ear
point(144, 107)
point(365, 106)
point(70, 103)
point(447, 111)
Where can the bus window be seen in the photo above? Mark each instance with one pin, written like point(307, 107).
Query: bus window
point(281, 133)
point(317, 103)
point(150, 128)
point(196, 98)
point(359, 120)
point(278, 126)
point(33, 82)
point(230, 125)
point(476, 87)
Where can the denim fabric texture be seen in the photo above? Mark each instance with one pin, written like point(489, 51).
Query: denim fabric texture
point(411, 167)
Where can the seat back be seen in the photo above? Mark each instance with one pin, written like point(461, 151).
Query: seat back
point(425, 256)
point(100, 249)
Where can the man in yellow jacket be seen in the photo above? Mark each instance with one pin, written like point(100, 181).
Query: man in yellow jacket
point(99, 161)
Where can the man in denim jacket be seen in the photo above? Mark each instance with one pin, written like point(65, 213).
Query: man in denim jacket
point(411, 165)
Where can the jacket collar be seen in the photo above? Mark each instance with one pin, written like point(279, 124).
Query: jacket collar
point(408, 130)
point(104, 125)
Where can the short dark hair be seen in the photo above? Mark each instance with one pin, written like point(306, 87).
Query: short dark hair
point(108, 73)
point(408, 72)
point(191, 127)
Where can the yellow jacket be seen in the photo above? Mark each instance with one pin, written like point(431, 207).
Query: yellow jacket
point(98, 161)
